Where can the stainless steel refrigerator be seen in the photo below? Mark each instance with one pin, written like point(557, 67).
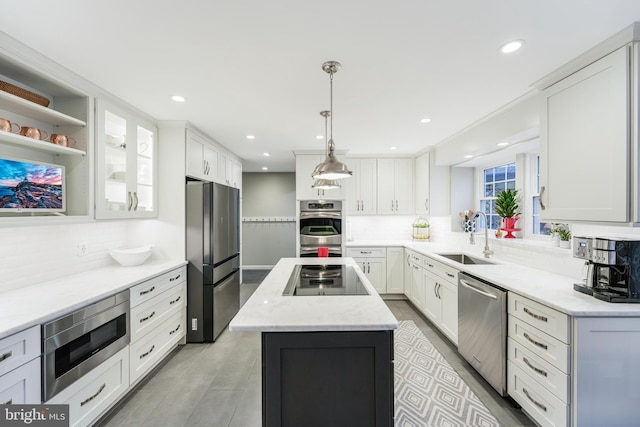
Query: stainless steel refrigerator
point(213, 273)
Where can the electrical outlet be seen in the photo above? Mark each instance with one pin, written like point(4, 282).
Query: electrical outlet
point(194, 324)
point(81, 249)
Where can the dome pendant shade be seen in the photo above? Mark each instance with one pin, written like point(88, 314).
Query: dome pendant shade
point(325, 184)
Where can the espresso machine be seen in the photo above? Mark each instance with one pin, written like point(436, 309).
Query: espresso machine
point(612, 268)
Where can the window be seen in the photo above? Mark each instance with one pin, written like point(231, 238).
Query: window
point(496, 180)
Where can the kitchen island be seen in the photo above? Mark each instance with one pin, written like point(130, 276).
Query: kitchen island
point(327, 359)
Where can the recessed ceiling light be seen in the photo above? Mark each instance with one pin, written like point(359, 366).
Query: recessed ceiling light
point(319, 136)
point(425, 120)
point(502, 144)
point(468, 156)
point(178, 98)
point(512, 46)
point(251, 137)
point(393, 148)
point(266, 154)
point(264, 168)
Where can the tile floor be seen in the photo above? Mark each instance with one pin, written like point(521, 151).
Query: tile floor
point(219, 384)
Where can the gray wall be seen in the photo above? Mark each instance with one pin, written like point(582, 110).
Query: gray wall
point(271, 196)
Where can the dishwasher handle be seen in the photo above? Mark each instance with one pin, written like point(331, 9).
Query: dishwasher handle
point(476, 290)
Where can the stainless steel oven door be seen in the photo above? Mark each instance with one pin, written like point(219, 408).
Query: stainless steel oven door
point(75, 344)
point(320, 228)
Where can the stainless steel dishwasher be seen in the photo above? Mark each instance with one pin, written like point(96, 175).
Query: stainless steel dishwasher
point(482, 329)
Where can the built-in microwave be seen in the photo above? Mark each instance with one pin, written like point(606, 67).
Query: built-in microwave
point(78, 342)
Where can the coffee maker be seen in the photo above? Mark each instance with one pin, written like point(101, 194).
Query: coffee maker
point(613, 268)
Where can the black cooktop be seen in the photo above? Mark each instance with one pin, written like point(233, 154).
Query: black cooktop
point(324, 279)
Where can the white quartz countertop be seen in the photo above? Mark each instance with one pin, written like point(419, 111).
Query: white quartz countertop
point(37, 304)
point(269, 311)
point(553, 290)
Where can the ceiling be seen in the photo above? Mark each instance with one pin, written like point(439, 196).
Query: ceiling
point(254, 67)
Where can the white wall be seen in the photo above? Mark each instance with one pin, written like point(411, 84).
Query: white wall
point(36, 254)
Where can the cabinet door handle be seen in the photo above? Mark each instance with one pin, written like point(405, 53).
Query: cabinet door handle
point(542, 205)
point(143, 355)
point(151, 289)
point(129, 200)
point(535, 402)
point(408, 257)
point(368, 267)
point(535, 316)
point(144, 319)
point(173, 279)
point(534, 342)
point(175, 300)
point(435, 289)
point(6, 355)
point(392, 205)
point(538, 370)
point(135, 197)
point(89, 399)
point(175, 330)
point(426, 204)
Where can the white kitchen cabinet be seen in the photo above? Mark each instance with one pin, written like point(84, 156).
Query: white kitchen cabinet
point(126, 147)
point(395, 270)
point(422, 184)
point(587, 135)
point(408, 272)
point(20, 367)
point(202, 157)
point(229, 170)
point(373, 262)
point(395, 186)
point(441, 297)
point(361, 189)
point(414, 280)
point(305, 164)
point(539, 360)
point(95, 392)
point(158, 316)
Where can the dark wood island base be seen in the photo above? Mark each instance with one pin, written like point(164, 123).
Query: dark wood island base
point(327, 379)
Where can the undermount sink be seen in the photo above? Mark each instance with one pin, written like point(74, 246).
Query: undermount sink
point(465, 259)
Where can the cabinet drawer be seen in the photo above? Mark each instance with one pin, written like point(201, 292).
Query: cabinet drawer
point(542, 317)
point(367, 252)
point(149, 314)
point(545, 408)
point(22, 385)
point(415, 258)
point(97, 391)
point(150, 349)
point(445, 271)
point(18, 349)
point(550, 377)
point(149, 289)
point(543, 345)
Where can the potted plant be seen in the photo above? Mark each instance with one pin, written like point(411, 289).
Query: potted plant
point(565, 237)
point(508, 207)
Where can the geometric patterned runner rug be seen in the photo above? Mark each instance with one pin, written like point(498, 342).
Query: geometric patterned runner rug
point(428, 392)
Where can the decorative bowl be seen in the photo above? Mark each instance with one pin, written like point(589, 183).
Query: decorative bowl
point(131, 257)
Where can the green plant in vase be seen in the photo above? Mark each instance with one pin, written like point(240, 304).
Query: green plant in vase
point(507, 205)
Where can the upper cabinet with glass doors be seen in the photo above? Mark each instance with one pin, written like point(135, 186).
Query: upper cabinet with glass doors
point(126, 179)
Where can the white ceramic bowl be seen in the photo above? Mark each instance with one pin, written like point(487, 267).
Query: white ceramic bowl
point(131, 257)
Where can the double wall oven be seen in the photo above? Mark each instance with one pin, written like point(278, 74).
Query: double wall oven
point(320, 226)
point(78, 342)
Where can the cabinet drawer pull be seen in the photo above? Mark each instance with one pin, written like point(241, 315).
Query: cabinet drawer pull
point(175, 330)
point(6, 355)
point(143, 355)
point(538, 370)
point(8, 402)
point(365, 252)
point(535, 316)
point(430, 265)
point(173, 279)
point(451, 275)
point(89, 399)
point(534, 342)
point(535, 402)
point(151, 289)
point(416, 267)
point(175, 300)
point(144, 319)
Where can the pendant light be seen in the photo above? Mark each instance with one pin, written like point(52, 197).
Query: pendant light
point(325, 184)
point(331, 168)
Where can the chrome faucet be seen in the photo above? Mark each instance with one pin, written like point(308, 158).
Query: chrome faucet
point(487, 252)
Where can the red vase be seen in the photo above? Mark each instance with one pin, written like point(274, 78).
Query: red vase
point(510, 226)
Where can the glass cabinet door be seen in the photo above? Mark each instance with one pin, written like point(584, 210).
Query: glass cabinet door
point(126, 164)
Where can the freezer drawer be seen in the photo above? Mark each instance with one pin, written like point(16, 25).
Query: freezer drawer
point(226, 302)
